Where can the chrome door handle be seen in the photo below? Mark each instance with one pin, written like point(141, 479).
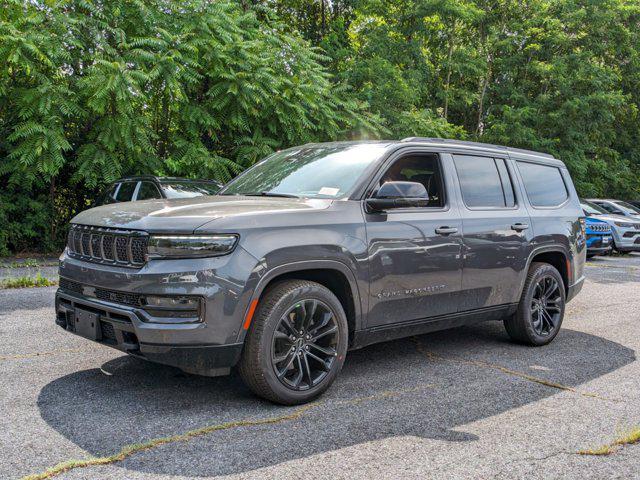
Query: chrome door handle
point(518, 227)
point(446, 230)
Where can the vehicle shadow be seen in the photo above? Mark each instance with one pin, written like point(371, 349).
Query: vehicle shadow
point(428, 386)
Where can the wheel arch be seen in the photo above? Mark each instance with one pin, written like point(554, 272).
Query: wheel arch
point(332, 274)
point(555, 256)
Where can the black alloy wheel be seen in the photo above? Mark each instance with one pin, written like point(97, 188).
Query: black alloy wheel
point(540, 312)
point(296, 343)
point(304, 344)
point(546, 305)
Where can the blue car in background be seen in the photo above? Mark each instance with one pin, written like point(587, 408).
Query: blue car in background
point(599, 239)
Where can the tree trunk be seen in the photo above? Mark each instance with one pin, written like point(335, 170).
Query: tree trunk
point(447, 82)
point(483, 92)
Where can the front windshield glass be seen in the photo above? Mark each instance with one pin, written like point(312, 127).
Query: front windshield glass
point(189, 189)
point(322, 171)
point(627, 207)
point(592, 209)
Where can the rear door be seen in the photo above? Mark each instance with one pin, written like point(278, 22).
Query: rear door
point(414, 253)
point(496, 229)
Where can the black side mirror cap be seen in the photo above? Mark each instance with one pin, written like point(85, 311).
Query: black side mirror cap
point(398, 195)
point(382, 204)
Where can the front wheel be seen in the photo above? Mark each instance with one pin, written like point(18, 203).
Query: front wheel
point(296, 343)
point(541, 309)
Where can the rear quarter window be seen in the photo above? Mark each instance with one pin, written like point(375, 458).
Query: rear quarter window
point(544, 184)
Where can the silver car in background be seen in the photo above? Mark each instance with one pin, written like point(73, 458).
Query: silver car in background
point(617, 207)
point(625, 229)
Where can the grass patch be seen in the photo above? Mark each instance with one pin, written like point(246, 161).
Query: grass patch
point(629, 438)
point(129, 450)
point(27, 282)
point(28, 263)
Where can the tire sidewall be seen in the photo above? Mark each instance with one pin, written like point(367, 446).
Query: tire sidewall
point(272, 319)
point(525, 304)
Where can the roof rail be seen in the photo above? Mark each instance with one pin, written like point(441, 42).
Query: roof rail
point(465, 143)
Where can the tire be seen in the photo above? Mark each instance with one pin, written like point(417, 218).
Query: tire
point(537, 322)
point(283, 325)
point(590, 255)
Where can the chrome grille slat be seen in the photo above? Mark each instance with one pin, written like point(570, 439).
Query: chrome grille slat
point(127, 248)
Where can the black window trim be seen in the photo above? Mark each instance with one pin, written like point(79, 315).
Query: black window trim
point(494, 157)
point(524, 186)
point(396, 155)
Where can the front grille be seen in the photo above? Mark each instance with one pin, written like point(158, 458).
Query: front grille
point(600, 227)
point(123, 298)
point(127, 248)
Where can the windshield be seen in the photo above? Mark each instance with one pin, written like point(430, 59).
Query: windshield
point(591, 208)
point(326, 171)
point(189, 189)
point(627, 207)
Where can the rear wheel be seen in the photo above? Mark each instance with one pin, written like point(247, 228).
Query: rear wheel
point(296, 343)
point(541, 310)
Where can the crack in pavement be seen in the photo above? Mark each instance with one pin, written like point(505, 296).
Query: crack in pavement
point(131, 449)
point(19, 356)
point(492, 366)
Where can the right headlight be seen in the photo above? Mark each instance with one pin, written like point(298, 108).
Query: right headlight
point(190, 246)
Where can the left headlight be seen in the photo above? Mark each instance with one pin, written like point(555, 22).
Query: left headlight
point(190, 246)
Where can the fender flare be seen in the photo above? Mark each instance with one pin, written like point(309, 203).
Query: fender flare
point(303, 265)
point(537, 251)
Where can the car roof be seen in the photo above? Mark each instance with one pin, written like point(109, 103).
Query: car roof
point(450, 144)
point(135, 178)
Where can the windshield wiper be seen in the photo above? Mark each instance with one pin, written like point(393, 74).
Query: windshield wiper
point(271, 194)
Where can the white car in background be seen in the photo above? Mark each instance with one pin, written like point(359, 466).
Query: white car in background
point(624, 229)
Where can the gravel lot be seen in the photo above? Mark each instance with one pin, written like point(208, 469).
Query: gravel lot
point(463, 403)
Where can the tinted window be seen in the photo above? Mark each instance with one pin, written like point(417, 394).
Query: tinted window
point(110, 195)
point(480, 182)
point(610, 208)
point(424, 169)
point(126, 191)
point(544, 184)
point(147, 191)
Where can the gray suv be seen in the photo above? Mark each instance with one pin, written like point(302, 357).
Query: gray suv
point(324, 248)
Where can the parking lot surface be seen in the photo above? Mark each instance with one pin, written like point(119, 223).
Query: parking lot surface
point(463, 403)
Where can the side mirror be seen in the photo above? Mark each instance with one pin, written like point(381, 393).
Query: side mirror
point(398, 195)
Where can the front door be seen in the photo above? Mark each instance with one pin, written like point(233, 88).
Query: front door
point(496, 229)
point(415, 253)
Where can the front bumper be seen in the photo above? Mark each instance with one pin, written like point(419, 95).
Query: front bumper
point(599, 243)
point(123, 328)
point(626, 240)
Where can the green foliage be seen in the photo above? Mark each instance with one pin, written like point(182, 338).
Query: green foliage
point(91, 91)
point(27, 282)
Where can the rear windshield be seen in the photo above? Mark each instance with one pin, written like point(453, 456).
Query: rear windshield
point(544, 184)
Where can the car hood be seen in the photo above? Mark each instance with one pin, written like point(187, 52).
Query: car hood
point(187, 214)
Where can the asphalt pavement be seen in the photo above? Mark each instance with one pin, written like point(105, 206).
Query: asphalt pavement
point(463, 403)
